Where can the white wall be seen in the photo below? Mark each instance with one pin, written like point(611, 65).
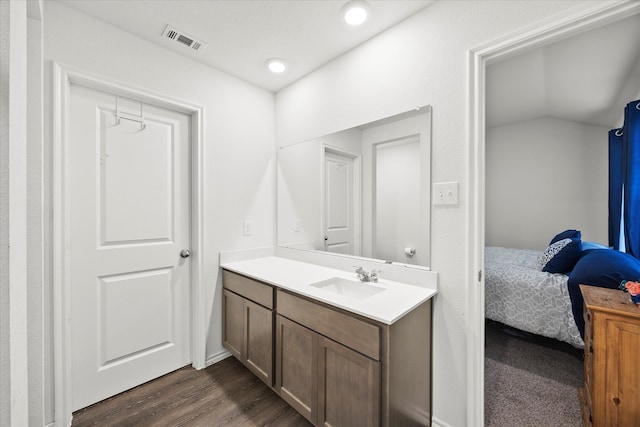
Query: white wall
point(545, 176)
point(299, 194)
point(36, 280)
point(239, 155)
point(422, 61)
point(21, 213)
point(13, 137)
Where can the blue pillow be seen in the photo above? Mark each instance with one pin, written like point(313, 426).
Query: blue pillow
point(561, 256)
point(605, 268)
point(593, 245)
point(567, 234)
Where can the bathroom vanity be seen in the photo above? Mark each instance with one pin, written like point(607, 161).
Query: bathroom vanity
point(340, 351)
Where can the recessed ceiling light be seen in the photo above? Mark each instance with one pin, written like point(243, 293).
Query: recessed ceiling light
point(355, 12)
point(276, 65)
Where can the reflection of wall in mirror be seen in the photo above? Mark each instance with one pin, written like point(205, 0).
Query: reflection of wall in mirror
point(300, 188)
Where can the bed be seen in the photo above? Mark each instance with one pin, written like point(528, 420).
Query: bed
point(520, 295)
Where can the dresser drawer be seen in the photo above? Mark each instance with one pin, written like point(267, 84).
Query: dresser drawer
point(253, 290)
point(350, 331)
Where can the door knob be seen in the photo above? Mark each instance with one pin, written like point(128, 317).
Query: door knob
point(185, 253)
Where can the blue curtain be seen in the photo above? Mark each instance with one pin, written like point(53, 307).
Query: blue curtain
point(615, 187)
point(631, 154)
point(624, 182)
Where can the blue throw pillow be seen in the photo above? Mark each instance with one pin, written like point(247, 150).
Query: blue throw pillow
point(561, 256)
point(605, 268)
point(567, 234)
point(593, 245)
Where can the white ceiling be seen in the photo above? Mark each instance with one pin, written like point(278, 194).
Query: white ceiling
point(242, 35)
point(586, 78)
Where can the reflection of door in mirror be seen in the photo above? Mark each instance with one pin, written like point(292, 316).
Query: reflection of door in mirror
point(396, 197)
point(338, 209)
point(396, 204)
point(318, 178)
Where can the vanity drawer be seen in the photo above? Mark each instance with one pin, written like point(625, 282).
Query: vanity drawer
point(253, 290)
point(347, 330)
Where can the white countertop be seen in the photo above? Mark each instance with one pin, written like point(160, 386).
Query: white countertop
point(387, 306)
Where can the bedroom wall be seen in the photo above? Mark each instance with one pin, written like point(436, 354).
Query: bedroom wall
point(544, 176)
point(239, 119)
point(421, 61)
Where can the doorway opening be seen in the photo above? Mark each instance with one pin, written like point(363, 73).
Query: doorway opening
point(544, 33)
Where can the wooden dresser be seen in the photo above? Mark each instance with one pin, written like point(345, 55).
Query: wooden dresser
point(611, 392)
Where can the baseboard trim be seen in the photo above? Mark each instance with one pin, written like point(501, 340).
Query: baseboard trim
point(216, 357)
point(435, 422)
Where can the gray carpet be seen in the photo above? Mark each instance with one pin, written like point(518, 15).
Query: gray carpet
point(530, 380)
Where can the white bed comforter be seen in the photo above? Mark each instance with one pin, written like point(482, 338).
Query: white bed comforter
point(520, 295)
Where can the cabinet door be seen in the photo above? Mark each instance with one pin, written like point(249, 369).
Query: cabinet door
point(622, 398)
point(258, 354)
point(233, 323)
point(349, 387)
point(296, 367)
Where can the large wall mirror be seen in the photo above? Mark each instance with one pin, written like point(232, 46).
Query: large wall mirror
point(364, 191)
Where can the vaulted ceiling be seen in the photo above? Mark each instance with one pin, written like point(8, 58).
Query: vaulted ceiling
point(586, 78)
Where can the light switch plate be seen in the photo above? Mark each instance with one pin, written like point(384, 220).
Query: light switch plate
point(247, 228)
point(445, 194)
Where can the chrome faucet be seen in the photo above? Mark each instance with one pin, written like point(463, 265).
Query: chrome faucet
point(363, 276)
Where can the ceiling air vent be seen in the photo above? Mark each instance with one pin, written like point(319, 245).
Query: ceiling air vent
point(181, 37)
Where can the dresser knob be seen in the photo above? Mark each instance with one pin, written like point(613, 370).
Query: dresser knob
point(616, 401)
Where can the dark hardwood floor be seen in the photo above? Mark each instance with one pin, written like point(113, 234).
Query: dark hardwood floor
point(224, 394)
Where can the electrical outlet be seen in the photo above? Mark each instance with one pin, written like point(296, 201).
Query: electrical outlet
point(445, 194)
point(247, 228)
point(297, 226)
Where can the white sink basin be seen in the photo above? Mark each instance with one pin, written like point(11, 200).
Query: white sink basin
point(349, 288)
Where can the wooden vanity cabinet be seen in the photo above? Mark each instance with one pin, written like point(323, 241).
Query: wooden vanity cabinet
point(611, 393)
point(335, 367)
point(247, 323)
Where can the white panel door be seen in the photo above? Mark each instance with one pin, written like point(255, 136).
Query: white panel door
point(129, 219)
point(397, 199)
point(338, 200)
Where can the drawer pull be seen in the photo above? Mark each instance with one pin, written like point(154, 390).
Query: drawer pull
point(616, 401)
